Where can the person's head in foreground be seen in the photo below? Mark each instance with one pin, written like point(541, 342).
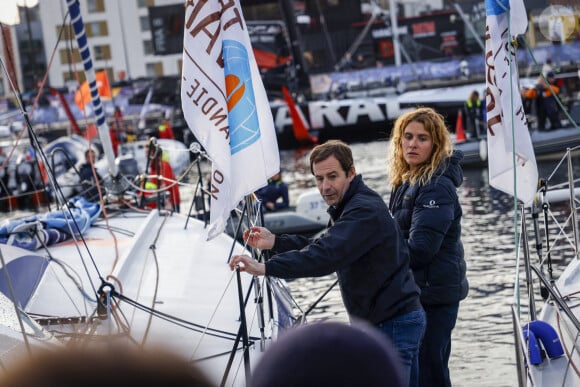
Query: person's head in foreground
point(330, 354)
point(107, 366)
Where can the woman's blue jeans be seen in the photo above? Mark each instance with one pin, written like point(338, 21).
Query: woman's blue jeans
point(406, 333)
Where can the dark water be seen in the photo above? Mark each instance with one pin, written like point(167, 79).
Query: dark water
point(482, 349)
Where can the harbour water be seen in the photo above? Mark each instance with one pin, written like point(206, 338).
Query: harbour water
point(482, 351)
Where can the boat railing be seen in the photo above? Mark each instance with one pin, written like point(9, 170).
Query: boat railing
point(547, 242)
point(555, 296)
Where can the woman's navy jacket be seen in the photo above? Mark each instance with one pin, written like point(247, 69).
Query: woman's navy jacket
point(430, 219)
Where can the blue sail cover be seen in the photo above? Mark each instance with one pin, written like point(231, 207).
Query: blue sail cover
point(36, 231)
point(25, 273)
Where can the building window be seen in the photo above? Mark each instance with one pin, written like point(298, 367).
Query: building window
point(94, 6)
point(98, 28)
point(66, 55)
point(72, 78)
point(148, 47)
point(145, 3)
point(102, 52)
point(67, 32)
point(154, 69)
point(144, 21)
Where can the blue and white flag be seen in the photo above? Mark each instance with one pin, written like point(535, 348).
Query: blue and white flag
point(506, 119)
point(225, 105)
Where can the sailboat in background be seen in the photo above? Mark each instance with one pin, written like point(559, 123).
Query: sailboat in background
point(145, 277)
point(546, 343)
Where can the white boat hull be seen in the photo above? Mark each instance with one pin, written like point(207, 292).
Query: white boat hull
point(163, 266)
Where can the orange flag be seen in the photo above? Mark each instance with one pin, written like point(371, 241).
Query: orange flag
point(83, 95)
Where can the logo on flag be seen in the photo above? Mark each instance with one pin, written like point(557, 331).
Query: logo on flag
point(225, 105)
point(240, 96)
point(508, 138)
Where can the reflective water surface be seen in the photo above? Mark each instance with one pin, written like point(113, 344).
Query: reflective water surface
point(482, 350)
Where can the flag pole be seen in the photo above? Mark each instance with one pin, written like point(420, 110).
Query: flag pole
point(85, 53)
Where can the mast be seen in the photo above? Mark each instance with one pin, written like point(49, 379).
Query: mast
point(395, 32)
point(295, 46)
point(102, 127)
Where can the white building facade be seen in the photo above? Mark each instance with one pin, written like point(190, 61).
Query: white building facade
point(119, 37)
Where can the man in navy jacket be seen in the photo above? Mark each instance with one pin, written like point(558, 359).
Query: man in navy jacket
point(363, 245)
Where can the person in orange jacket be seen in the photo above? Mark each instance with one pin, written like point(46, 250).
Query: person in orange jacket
point(546, 104)
point(158, 166)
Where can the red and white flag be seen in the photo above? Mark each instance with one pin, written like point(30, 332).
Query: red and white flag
point(508, 138)
point(225, 105)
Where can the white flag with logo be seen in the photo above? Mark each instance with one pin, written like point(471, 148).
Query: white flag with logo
point(504, 104)
point(225, 105)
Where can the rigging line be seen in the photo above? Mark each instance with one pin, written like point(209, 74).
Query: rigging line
point(49, 65)
point(557, 167)
point(26, 116)
point(510, 48)
point(354, 46)
point(151, 310)
point(325, 29)
point(17, 93)
point(86, 329)
point(77, 281)
point(207, 326)
point(255, 316)
point(28, 127)
point(195, 327)
point(77, 239)
point(63, 266)
point(294, 302)
point(124, 328)
point(122, 323)
point(320, 298)
point(209, 357)
point(118, 230)
point(152, 249)
point(568, 353)
point(242, 334)
point(561, 232)
point(7, 46)
point(122, 320)
point(556, 297)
